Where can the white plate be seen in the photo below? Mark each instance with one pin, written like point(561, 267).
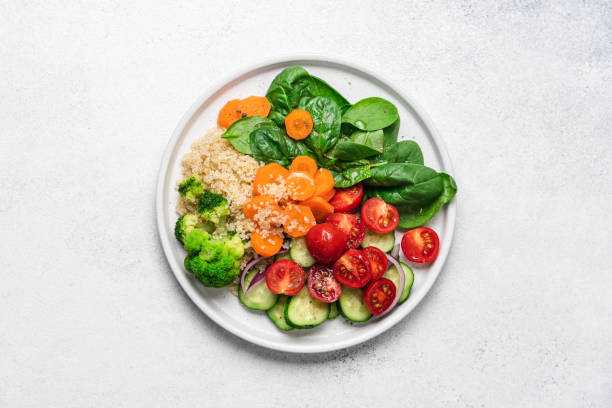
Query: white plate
point(219, 304)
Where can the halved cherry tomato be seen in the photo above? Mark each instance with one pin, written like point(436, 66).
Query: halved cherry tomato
point(379, 295)
point(378, 261)
point(379, 216)
point(322, 285)
point(420, 245)
point(352, 269)
point(351, 225)
point(285, 277)
point(347, 199)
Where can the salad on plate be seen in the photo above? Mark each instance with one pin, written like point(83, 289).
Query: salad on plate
point(294, 199)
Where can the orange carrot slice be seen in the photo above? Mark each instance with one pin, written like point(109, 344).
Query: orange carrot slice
point(266, 243)
point(328, 196)
point(262, 204)
point(236, 109)
point(324, 182)
point(300, 186)
point(268, 174)
point(298, 220)
point(298, 124)
point(304, 164)
point(320, 207)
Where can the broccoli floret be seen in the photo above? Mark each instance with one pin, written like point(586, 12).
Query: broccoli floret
point(212, 207)
point(218, 262)
point(187, 262)
point(184, 225)
point(196, 240)
point(191, 189)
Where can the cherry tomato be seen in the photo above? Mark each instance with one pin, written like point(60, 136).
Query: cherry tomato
point(352, 269)
point(285, 277)
point(347, 199)
point(379, 295)
point(351, 225)
point(326, 242)
point(322, 285)
point(379, 216)
point(378, 261)
point(420, 245)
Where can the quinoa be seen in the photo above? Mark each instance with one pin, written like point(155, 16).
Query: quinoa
point(225, 171)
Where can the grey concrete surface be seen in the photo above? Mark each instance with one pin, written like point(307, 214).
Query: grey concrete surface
point(90, 314)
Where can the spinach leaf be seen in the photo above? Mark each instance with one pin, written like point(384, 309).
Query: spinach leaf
point(408, 151)
point(412, 218)
point(238, 133)
point(271, 144)
point(351, 176)
point(371, 114)
point(413, 196)
point(391, 132)
point(359, 145)
point(292, 85)
point(326, 124)
point(400, 174)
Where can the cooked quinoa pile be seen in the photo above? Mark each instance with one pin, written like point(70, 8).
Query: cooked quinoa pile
point(225, 171)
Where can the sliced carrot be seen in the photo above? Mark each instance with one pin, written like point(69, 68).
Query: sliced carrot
point(324, 182)
point(304, 164)
point(256, 106)
point(237, 108)
point(261, 204)
point(298, 220)
point(266, 243)
point(268, 174)
point(300, 186)
point(319, 206)
point(229, 113)
point(298, 124)
point(328, 196)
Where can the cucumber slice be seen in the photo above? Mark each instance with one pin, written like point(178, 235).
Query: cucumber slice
point(277, 313)
point(279, 257)
point(260, 298)
point(333, 311)
point(303, 311)
point(299, 253)
point(393, 276)
point(351, 305)
point(384, 242)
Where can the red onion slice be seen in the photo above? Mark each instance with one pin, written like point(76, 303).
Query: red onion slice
point(395, 251)
point(257, 278)
point(398, 291)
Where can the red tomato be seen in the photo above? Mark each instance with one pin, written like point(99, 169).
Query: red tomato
point(379, 216)
point(347, 199)
point(378, 261)
point(285, 277)
point(326, 242)
point(352, 269)
point(322, 285)
point(379, 295)
point(351, 225)
point(420, 245)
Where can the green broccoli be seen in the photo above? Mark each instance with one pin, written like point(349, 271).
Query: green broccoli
point(217, 262)
point(213, 207)
point(191, 189)
point(184, 225)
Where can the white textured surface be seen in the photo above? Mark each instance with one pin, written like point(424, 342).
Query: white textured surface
point(90, 314)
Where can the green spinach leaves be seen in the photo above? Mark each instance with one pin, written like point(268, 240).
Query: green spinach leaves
point(326, 124)
point(371, 114)
point(271, 144)
point(238, 133)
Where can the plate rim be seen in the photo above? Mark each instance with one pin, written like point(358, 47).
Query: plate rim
point(384, 324)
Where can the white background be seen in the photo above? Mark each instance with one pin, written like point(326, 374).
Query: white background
point(91, 315)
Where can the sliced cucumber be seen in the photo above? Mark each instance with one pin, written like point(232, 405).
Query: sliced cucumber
point(303, 311)
point(351, 305)
point(299, 253)
point(284, 255)
point(277, 313)
point(393, 276)
point(384, 242)
point(333, 311)
point(260, 298)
